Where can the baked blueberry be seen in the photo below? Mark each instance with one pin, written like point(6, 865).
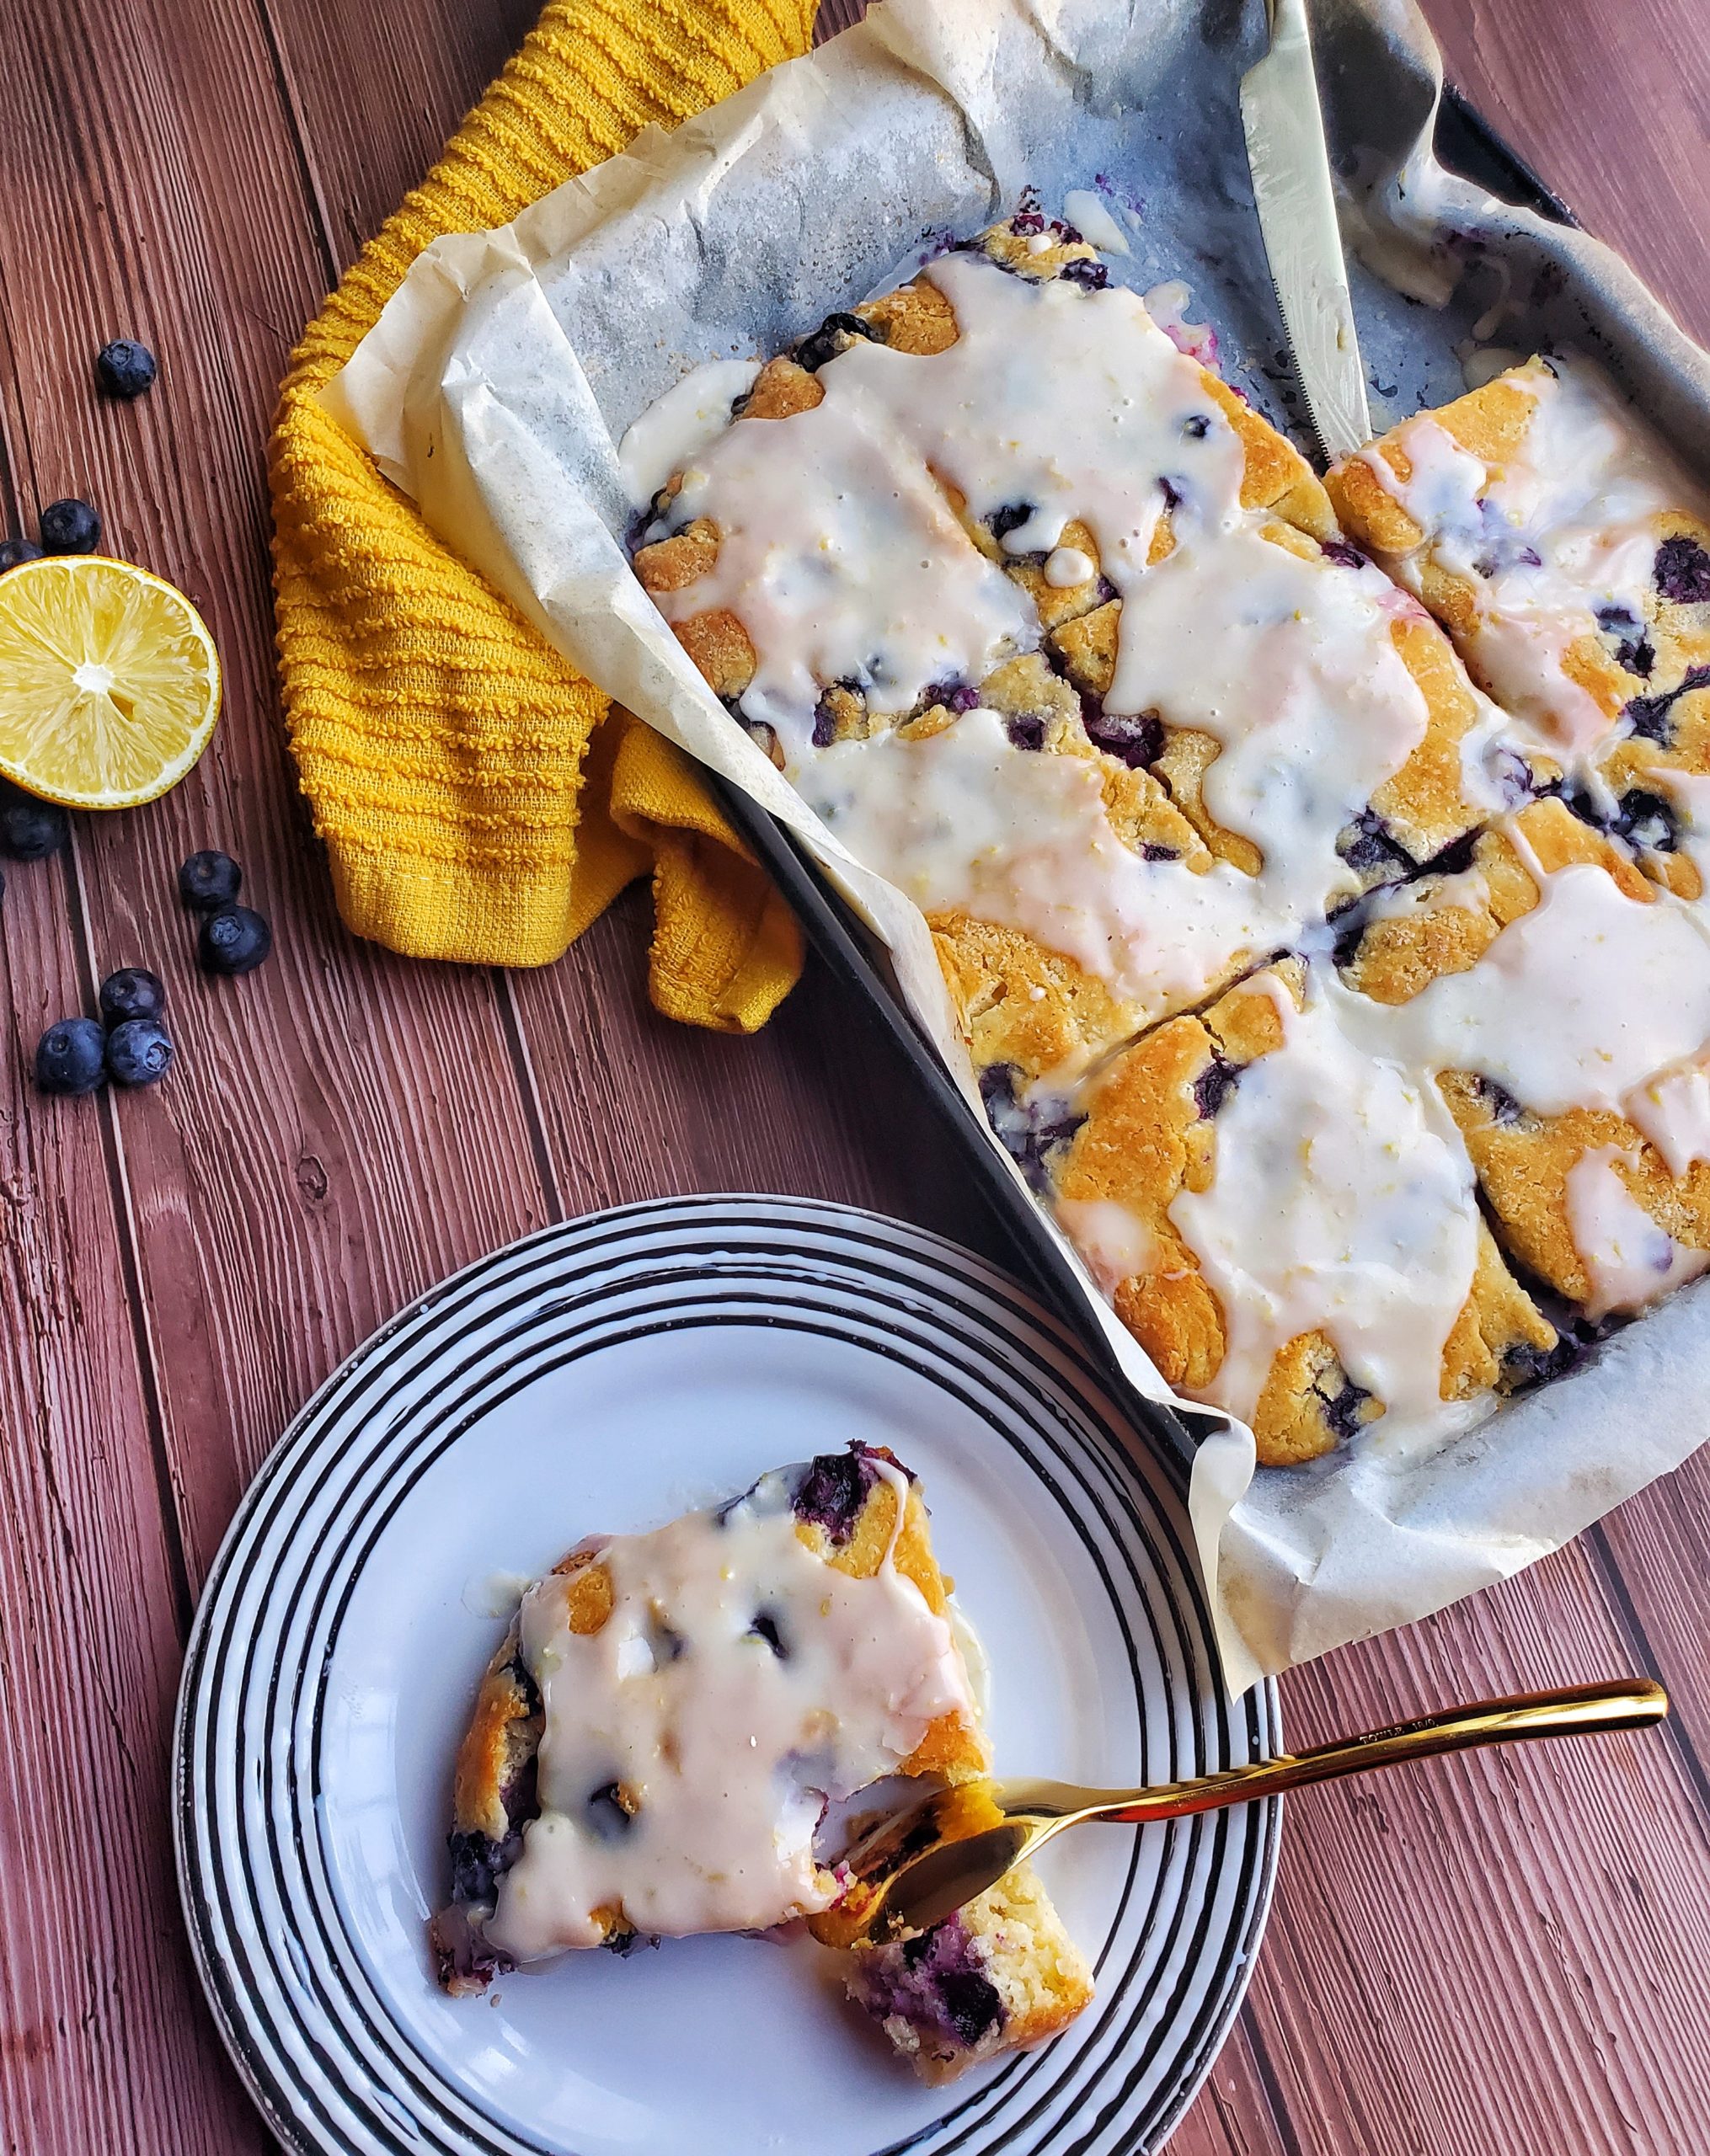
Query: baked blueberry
point(1682, 571)
point(71, 1057)
point(132, 992)
point(139, 1053)
point(209, 880)
point(1133, 741)
point(1341, 1414)
point(1214, 1083)
point(15, 552)
point(70, 526)
point(124, 368)
point(30, 830)
point(235, 940)
point(833, 1489)
point(1339, 551)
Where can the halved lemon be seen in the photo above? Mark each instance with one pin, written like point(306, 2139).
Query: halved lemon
point(110, 682)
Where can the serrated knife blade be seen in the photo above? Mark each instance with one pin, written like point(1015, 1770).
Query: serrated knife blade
point(1290, 167)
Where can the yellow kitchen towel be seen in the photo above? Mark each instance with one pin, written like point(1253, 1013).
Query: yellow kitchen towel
point(477, 797)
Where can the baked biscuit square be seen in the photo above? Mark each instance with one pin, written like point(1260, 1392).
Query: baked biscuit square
point(1289, 1226)
point(1562, 546)
point(1000, 1976)
point(1559, 1002)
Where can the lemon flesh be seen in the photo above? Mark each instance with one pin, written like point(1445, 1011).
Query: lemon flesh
point(110, 682)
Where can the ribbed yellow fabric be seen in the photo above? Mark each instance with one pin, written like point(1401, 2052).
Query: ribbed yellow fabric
point(444, 746)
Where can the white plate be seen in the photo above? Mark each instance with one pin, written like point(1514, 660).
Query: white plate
point(605, 1375)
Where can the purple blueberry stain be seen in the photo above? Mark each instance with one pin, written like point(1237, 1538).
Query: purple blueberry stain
point(934, 1983)
point(1214, 1086)
point(765, 1627)
point(1026, 729)
point(1634, 652)
point(1652, 717)
point(1505, 1108)
point(1365, 845)
point(1090, 277)
point(1134, 741)
point(1032, 1132)
point(1647, 820)
point(951, 696)
point(1682, 571)
point(1340, 551)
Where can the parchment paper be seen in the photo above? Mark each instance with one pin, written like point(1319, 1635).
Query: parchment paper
point(498, 383)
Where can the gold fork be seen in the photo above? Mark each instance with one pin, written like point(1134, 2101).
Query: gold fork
point(918, 1864)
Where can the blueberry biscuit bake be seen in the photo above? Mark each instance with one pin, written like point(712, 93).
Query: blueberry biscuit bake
point(655, 1744)
point(1323, 903)
point(1057, 634)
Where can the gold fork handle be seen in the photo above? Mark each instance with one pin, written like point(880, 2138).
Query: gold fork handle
point(1626, 1703)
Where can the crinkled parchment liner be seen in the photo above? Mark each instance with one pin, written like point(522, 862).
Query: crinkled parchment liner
point(496, 384)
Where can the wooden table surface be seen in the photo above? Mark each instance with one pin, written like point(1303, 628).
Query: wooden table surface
point(1506, 1954)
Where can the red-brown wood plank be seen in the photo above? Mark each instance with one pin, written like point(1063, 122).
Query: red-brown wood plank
point(343, 1128)
point(103, 2043)
point(1611, 105)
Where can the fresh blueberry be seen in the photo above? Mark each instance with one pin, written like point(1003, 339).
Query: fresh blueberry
point(133, 992)
point(70, 527)
point(139, 1053)
point(14, 552)
point(210, 880)
point(31, 829)
point(235, 940)
point(125, 368)
point(71, 1057)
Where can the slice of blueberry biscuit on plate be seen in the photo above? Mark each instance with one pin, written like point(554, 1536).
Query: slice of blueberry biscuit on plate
point(654, 1745)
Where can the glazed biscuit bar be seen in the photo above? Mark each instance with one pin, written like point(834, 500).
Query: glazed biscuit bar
point(1559, 1003)
point(1565, 551)
point(1055, 631)
point(654, 1743)
point(1288, 1229)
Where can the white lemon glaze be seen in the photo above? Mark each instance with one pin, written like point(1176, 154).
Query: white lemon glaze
point(727, 1748)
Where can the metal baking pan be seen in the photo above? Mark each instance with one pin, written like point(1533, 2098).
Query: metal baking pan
point(1468, 144)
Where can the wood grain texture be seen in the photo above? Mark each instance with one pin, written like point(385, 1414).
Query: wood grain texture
point(1503, 1954)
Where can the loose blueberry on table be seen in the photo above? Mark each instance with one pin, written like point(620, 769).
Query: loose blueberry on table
point(210, 880)
point(139, 1053)
point(71, 1058)
point(233, 941)
point(30, 830)
point(70, 527)
point(132, 992)
point(14, 552)
point(125, 368)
